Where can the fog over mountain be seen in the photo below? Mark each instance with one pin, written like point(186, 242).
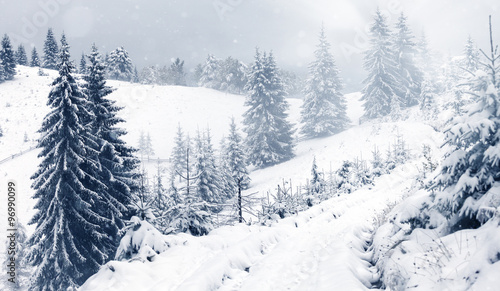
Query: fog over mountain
point(155, 31)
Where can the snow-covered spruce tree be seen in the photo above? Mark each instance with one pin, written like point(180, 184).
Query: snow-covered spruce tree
point(68, 244)
point(178, 155)
point(410, 75)
point(269, 135)
point(173, 191)
point(228, 183)
point(233, 76)
point(189, 212)
point(7, 59)
point(361, 173)
point(176, 74)
point(317, 185)
point(120, 66)
point(142, 200)
point(21, 57)
point(468, 184)
point(344, 178)
point(50, 51)
point(400, 151)
point(324, 109)
point(210, 75)
point(382, 83)
point(118, 164)
point(471, 54)
point(83, 65)
point(35, 60)
point(208, 185)
point(161, 201)
point(235, 157)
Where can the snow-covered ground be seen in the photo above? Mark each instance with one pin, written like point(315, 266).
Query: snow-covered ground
point(328, 247)
point(322, 248)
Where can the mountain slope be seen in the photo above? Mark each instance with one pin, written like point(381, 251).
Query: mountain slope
point(322, 248)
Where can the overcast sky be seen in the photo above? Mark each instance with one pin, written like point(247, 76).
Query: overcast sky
point(154, 31)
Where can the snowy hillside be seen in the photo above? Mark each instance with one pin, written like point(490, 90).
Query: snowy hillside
point(323, 248)
point(297, 252)
point(330, 246)
point(153, 109)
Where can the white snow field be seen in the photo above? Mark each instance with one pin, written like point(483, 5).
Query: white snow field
point(328, 247)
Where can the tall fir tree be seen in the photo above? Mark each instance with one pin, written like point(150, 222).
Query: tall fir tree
point(210, 75)
point(120, 65)
point(21, 57)
point(189, 213)
point(161, 202)
point(324, 108)
point(467, 186)
point(50, 51)
point(7, 59)
point(410, 75)
point(235, 157)
point(35, 60)
point(117, 160)
point(208, 184)
point(381, 86)
point(178, 155)
point(68, 244)
point(269, 135)
point(228, 183)
point(318, 183)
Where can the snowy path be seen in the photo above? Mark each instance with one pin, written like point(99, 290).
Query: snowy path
point(319, 249)
point(326, 247)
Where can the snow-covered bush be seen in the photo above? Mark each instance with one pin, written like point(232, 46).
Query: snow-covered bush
point(281, 205)
point(192, 218)
point(141, 241)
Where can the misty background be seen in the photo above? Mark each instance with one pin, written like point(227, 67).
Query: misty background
point(155, 31)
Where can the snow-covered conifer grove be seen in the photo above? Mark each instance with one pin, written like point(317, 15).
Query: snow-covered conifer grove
point(284, 158)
